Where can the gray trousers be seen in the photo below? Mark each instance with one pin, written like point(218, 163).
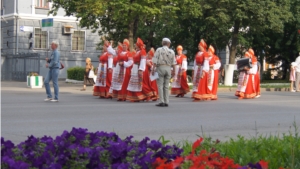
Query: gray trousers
point(164, 73)
point(297, 81)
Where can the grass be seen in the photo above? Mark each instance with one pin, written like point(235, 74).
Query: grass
point(278, 151)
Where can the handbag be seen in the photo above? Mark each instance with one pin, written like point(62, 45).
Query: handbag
point(61, 65)
point(91, 74)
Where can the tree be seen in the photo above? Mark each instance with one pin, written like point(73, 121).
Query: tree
point(116, 19)
point(282, 46)
point(243, 15)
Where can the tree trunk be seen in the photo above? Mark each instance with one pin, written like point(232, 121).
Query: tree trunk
point(234, 42)
point(285, 67)
point(130, 35)
point(150, 37)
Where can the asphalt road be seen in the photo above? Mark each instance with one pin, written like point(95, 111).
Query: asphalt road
point(24, 113)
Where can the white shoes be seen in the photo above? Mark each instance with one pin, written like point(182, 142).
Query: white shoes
point(258, 96)
point(50, 99)
point(293, 90)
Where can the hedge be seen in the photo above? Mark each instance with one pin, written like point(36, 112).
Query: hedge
point(76, 73)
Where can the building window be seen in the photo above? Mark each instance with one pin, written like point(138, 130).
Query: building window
point(78, 40)
point(40, 38)
point(41, 4)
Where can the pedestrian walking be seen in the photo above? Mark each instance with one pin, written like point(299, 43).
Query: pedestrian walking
point(53, 64)
point(163, 60)
point(87, 79)
point(293, 76)
point(297, 73)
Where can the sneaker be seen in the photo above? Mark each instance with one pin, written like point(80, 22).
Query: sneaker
point(293, 90)
point(257, 96)
point(54, 100)
point(48, 99)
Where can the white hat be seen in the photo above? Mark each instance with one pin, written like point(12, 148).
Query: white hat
point(166, 40)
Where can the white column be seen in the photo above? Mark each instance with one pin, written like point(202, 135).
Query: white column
point(229, 69)
point(32, 7)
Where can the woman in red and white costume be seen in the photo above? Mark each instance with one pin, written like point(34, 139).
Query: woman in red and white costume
point(104, 74)
point(135, 86)
point(197, 69)
point(216, 68)
point(180, 85)
point(115, 61)
point(210, 64)
point(152, 85)
point(246, 82)
point(257, 75)
point(121, 74)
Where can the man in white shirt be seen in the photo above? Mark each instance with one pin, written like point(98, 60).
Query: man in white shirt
point(297, 73)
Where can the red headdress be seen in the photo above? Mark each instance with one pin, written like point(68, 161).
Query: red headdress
point(211, 49)
point(247, 55)
point(251, 51)
point(151, 52)
point(126, 42)
point(179, 47)
point(140, 43)
point(203, 44)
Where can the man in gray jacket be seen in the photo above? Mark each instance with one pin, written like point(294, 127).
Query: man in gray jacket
point(163, 60)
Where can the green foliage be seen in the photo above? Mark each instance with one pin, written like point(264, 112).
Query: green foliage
point(163, 140)
point(270, 27)
point(189, 72)
point(118, 18)
point(245, 16)
point(76, 73)
point(278, 151)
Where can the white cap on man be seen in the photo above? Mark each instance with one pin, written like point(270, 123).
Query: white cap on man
point(166, 40)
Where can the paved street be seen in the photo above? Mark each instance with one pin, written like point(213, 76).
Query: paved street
point(24, 113)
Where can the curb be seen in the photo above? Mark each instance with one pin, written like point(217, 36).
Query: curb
point(74, 81)
point(261, 89)
point(220, 89)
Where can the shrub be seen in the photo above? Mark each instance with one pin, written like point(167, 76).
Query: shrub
point(189, 72)
point(278, 151)
point(82, 149)
point(76, 73)
point(200, 158)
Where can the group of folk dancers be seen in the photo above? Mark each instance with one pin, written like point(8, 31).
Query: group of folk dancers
point(125, 75)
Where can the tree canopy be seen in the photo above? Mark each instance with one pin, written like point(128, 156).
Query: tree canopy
point(116, 19)
point(269, 26)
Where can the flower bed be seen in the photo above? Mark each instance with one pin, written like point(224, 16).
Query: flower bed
point(82, 149)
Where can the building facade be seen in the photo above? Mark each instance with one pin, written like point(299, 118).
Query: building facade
point(22, 32)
